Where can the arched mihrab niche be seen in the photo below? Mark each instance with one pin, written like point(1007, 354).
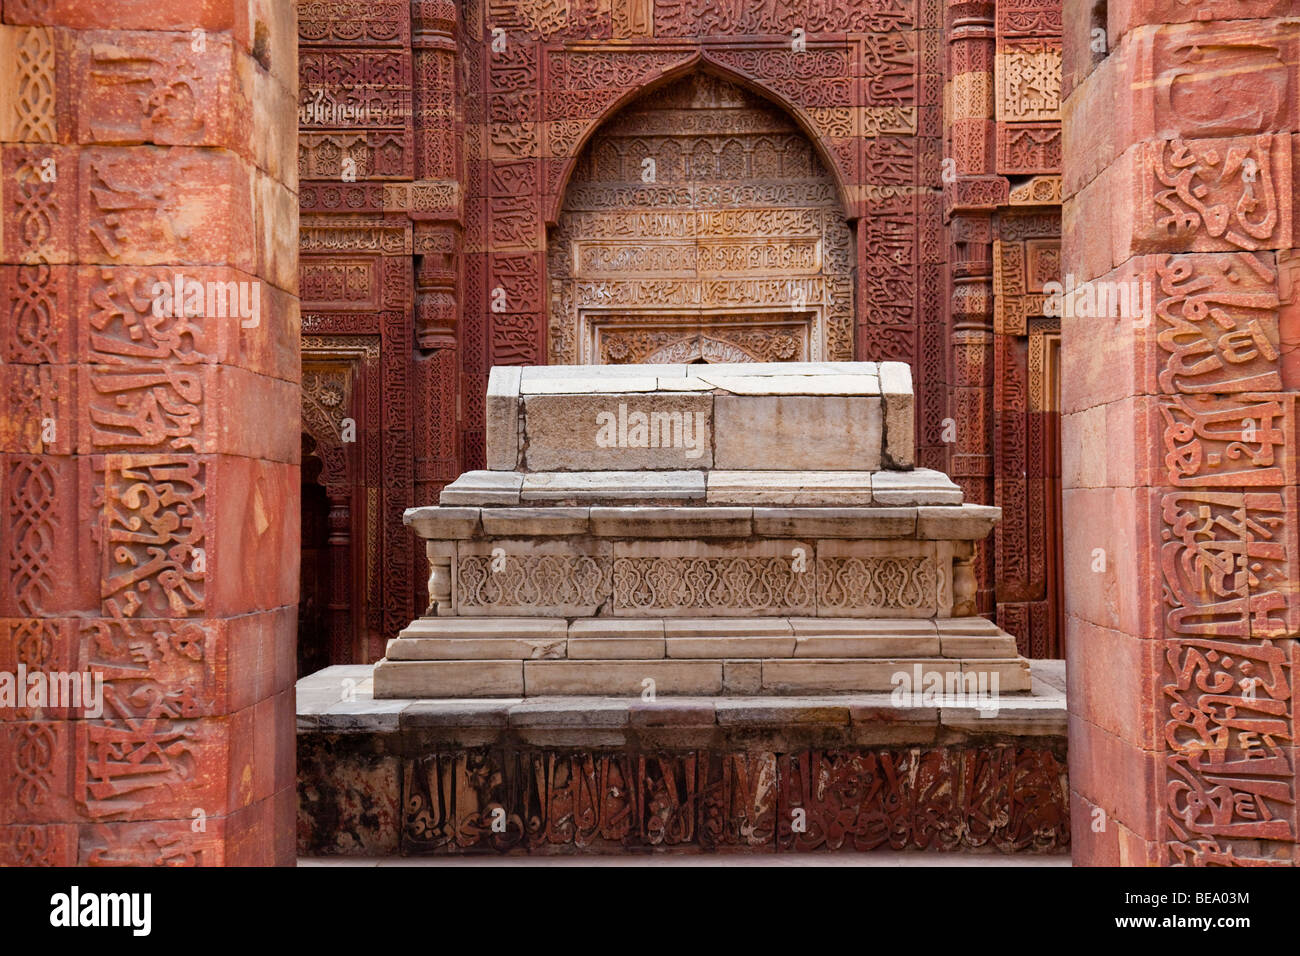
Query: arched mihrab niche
point(700, 224)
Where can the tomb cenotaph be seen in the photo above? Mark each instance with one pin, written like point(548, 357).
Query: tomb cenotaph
point(740, 529)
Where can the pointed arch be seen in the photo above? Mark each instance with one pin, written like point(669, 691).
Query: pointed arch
point(701, 247)
point(700, 62)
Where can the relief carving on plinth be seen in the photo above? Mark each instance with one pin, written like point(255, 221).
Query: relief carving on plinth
point(1004, 796)
point(700, 223)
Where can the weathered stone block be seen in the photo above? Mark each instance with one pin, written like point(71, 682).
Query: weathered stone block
point(483, 488)
point(967, 522)
point(834, 433)
point(614, 639)
point(828, 522)
point(681, 522)
point(747, 646)
point(442, 523)
point(920, 486)
point(868, 645)
point(790, 487)
point(597, 487)
point(503, 418)
point(781, 713)
point(623, 678)
point(810, 676)
point(520, 522)
point(742, 677)
point(899, 413)
point(449, 678)
point(822, 383)
point(619, 430)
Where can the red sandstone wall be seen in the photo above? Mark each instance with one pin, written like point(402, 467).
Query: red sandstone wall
point(1179, 434)
point(1002, 209)
point(148, 465)
point(459, 155)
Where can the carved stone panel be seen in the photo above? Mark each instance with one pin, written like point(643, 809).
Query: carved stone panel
point(700, 223)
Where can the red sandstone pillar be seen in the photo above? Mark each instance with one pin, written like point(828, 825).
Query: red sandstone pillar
point(149, 449)
point(971, 193)
point(1179, 433)
point(439, 162)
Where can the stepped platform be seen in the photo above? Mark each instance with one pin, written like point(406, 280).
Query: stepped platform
point(700, 530)
point(507, 657)
point(583, 775)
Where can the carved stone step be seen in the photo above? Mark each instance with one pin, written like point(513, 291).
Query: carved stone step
point(612, 638)
point(929, 522)
point(634, 678)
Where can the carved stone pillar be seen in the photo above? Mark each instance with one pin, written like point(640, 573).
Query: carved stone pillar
point(439, 580)
point(149, 476)
point(435, 288)
point(1179, 436)
point(439, 171)
point(971, 191)
point(1026, 255)
point(972, 44)
point(433, 50)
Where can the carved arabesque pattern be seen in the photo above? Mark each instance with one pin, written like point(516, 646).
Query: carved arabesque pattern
point(762, 585)
point(539, 580)
point(892, 583)
point(30, 513)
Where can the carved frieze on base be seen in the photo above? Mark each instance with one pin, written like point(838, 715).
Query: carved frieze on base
point(997, 797)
